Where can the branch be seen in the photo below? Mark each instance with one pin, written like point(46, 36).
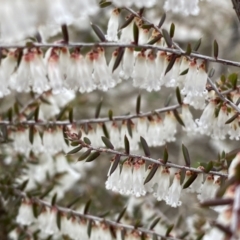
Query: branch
point(87, 216)
point(90, 120)
point(152, 160)
point(178, 51)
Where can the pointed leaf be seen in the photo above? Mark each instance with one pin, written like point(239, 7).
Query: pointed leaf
point(107, 142)
point(70, 115)
point(178, 94)
point(138, 104)
point(129, 127)
point(197, 45)
point(87, 140)
point(186, 155)
point(127, 22)
point(87, 206)
point(105, 131)
point(154, 223)
point(162, 20)
point(23, 185)
point(118, 58)
point(62, 112)
point(89, 228)
point(151, 173)
point(233, 79)
point(65, 33)
point(184, 72)
point(208, 167)
point(135, 33)
point(54, 198)
point(98, 32)
point(121, 214)
point(36, 113)
point(170, 64)
point(93, 156)
point(9, 114)
point(104, 4)
point(59, 218)
point(35, 209)
point(154, 40)
point(211, 73)
point(115, 164)
point(98, 109)
point(84, 155)
point(167, 38)
point(177, 116)
point(145, 147)
point(189, 49)
point(46, 192)
point(182, 175)
point(172, 30)
point(31, 134)
point(231, 119)
point(168, 100)
point(215, 49)
point(169, 229)
point(110, 115)
point(126, 144)
point(165, 155)
point(74, 201)
point(190, 180)
point(75, 150)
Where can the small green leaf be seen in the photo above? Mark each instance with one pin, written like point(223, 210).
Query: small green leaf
point(9, 114)
point(135, 33)
point(177, 116)
point(162, 20)
point(184, 72)
point(200, 236)
point(46, 192)
point(62, 112)
point(98, 32)
point(167, 38)
point(211, 73)
point(178, 94)
point(36, 113)
point(233, 79)
point(182, 175)
point(115, 164)
point(31, 134)
point(190, 180)
point(121, 214)
point(107, 142)
point(70, 115)
point(154, 40)
point(110, 115)
point(197, 45)
point(54, 198)
point(154, 223)
point(87, 140)
point(186, 155)
point(87, 206)
point(172, 30)
point(84, 155)
point(105, 131)
point(59, 218)
point(65, 33)
point(89, 228)
point(169, 229)
point(129, 127)
point(168, 100)
point(98, 109)
point(145, 147)
point(147, 26)
point(215, 49)
point(126, 144)
point(35, 209)
point(138, 104)
point(189, 50)
point(208, 167)
point(165, 155)
point(126, 23)
point(104, 4)
point(231, 119)
point(93, 156)
point(151, 173)
point(171, 63)
point(23, 185)
point(118, 58)
point(75, 150)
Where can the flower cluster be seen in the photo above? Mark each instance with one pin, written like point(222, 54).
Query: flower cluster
point(129, 179)
point(76, 227)
point(228, 213)
point(39, 13)
point(47, 166)
point(137, 3)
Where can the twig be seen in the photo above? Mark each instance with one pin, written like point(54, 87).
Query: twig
point(88, 216)
point(90, 120)
point(152, 160)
